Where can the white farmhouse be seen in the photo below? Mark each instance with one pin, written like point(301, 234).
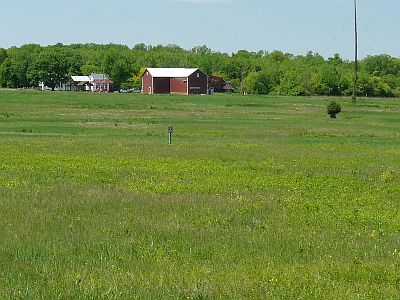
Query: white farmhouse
point(92, 83)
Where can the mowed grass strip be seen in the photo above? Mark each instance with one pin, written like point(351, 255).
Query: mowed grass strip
point(257, 197)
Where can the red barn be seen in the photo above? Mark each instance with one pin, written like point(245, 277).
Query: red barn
point(174, 81)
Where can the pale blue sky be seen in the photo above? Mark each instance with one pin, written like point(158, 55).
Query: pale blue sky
point(295, 26)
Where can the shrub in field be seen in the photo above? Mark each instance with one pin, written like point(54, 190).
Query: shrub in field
point(333, 109)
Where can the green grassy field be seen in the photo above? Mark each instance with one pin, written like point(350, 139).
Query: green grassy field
point(257, 197)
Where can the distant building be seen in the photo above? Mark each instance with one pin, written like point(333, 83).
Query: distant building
point(92, 83)
point(219, 85)
point(80, 83)
point(174, 81)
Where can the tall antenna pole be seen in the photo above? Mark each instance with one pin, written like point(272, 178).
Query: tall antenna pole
point(354, 97)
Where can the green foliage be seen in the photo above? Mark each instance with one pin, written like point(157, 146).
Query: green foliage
point(327, 81)
point(120, 73)
point(137, 79)
point(21, 59)
point(262, 82)
point(380, 65)
point(89, 69)
point(50, 67)
point(333, 109)
point(274, 73)
point(6, 74)
point(3, 55)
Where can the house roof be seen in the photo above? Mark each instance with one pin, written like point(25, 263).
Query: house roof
point(96, 76)
point(171, 72)
point(102, 81)
point(80, 78)
point(93, 78)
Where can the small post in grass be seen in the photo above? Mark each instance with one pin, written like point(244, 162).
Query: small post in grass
point(170, 130)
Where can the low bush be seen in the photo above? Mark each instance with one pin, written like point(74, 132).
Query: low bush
point(333, 109)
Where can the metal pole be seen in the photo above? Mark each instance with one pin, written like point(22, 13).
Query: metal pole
point(354, 97)
point(170, 130)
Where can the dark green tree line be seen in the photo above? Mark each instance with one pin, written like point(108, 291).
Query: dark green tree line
point(274, 73)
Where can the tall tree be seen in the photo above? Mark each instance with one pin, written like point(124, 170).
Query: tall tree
point(50, 67)
point(3, 55)
point(120, 73)
point(21, 59)
point(6, 74)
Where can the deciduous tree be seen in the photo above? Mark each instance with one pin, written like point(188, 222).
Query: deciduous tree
point(50, 67)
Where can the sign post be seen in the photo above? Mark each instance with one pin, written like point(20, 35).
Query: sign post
point(170, 130)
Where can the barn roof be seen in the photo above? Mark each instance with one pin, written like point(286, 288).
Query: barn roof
point(171, 72)
point(80, 78)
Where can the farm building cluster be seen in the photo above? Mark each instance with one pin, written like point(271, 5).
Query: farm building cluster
point(174, 81)
point(92, 83)
point(186, 81)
